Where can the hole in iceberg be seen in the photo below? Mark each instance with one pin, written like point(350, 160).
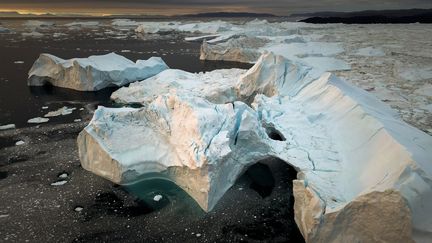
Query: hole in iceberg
point(262, 180)
point(271, 218)
point(274, 134)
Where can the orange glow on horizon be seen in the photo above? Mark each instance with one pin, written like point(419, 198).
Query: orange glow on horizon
point(174, 10)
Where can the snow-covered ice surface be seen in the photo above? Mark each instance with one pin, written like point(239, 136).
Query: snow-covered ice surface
point(92, 73)
point(383, 59)
point(354, 156)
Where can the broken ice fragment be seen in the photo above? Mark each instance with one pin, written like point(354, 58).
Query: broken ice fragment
point(19, 143)
point(7, 126)
point(38, 120)
point(58, 183)
point(157, 198)
point(78, 209)
point(60, 112)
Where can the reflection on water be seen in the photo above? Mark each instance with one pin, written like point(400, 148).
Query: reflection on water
point(158, 193)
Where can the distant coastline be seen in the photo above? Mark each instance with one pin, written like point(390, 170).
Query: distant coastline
point(406, 16)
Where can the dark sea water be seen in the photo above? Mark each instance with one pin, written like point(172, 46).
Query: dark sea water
point(18, 102)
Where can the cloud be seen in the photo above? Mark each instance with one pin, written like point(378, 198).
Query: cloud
point(184, 6)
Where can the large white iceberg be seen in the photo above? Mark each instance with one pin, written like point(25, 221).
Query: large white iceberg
point(210, 27)
point(363, 174)
point(92, 73)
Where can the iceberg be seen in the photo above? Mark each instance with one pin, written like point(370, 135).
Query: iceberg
point(241, 49)
point(4, 30)
point(92, 73)
point(363, 174)
point(211, 27)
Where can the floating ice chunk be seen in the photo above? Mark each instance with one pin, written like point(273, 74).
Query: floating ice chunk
point(77, 120)
point(34, 34)
point(370, 52)
point(124, 22)
point(59, 183)
point(92, 73)
point(241, 49)
point(19, 62)
point(18, 143)
point(38, 24)
point(60, 112)
point(63, 175)
point(82, 24)
point(57, 35)
point(415, 73)
point(44, 107)
point(38, 120)
point(157, 198)
point(78, 209)
point(4, 215)
point(4, 30)
point(425, 89)
point(7, 127)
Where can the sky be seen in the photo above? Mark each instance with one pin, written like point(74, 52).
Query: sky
point(172, 7)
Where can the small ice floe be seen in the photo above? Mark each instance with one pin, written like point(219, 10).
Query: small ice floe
point(198, 235)
point(370, 52)
point(78, 209)
point(38, 24)
point(60, 112)
point(19, 62)
point(44, 107)
point(57, 35)
point(63, 176)
point(124, 22)
point(59, 183)
point(81, 109)
point(125, 51)
point(18, 143)
point(38, 120)
point(414, 74)
point(4, 30)
point(77, 120)
point(82, 24)
point(7, 126)
point(34, 34)
point(157, 198)
point(4, 215)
